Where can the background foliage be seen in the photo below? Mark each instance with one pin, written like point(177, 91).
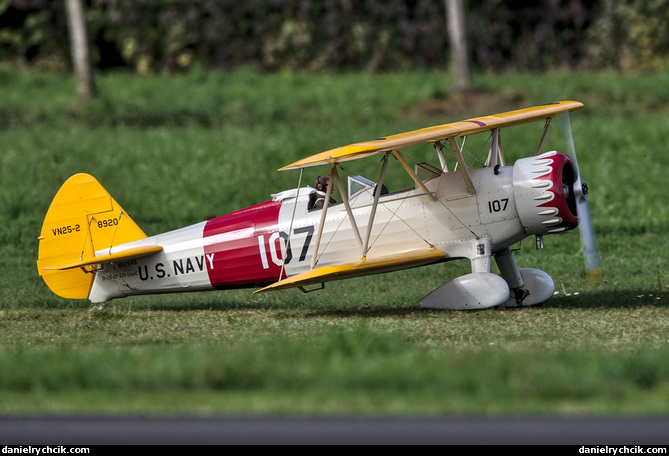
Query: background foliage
point(171, 35)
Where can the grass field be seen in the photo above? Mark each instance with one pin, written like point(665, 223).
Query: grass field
point(179, 150)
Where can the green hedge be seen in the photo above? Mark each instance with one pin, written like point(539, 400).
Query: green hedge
point(170, 35)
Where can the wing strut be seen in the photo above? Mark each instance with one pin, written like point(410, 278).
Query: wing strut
point(463, 167)
point(290, 230)
point(364, 245)
point(377, 194)
point(328, 193)
point(334, 176)
point(416, 179)
point(502, 160)
point(439, 147)
point(495, 156)
point(344, 197)
point(543, 136)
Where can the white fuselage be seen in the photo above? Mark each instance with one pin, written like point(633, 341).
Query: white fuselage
point(248, 247)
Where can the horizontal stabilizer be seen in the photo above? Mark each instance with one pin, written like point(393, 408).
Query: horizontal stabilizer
point(363, 267)
point(109, 258)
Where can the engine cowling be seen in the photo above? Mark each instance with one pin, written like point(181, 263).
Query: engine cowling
point(543, 187)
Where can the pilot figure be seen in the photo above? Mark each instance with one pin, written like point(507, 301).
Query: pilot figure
point(321, 185)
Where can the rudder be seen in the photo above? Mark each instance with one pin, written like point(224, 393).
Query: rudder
point(83, 219)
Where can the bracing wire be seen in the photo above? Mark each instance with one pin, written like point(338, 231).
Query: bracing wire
point(284, 248)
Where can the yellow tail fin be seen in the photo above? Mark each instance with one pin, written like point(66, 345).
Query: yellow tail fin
point(83, 219)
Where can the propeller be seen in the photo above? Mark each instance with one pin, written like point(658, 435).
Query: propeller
point(593, 268)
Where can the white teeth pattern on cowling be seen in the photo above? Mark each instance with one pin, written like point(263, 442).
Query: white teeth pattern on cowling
point(542, 166)
point(544, 196)
point(541, 184)
point(557, 230)
point(538, 189)
point(551, 211)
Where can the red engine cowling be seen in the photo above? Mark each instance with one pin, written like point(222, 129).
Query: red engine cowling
point(543, 187)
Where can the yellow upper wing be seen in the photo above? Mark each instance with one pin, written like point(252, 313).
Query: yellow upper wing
point(437, 133)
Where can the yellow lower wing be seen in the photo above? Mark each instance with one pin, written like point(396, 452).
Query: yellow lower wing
point(363, 267)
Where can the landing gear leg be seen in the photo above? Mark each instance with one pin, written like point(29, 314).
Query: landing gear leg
point(100, 306)
point(511, 274)
point(527, 286)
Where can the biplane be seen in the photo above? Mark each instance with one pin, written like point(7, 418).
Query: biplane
point(90, 248)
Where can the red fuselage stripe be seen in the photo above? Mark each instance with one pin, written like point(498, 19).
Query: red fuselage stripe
point(235, 242)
